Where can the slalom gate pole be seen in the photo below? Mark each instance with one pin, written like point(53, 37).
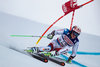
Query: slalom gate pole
point(78, 8)
point(82, 5)
point(49, 28)
point(87, 2)
point(72, 20)
point(59, 19)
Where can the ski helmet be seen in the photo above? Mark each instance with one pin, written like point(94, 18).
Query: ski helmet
point(76, 30)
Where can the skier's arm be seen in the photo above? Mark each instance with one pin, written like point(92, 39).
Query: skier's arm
point(55, 32)
point(74, 51)
point(59, 32)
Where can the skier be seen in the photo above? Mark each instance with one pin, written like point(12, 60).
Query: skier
point(68, 38)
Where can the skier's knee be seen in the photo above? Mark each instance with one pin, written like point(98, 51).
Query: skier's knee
point(51, 46)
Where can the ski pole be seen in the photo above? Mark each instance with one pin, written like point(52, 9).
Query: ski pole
point(26, 36)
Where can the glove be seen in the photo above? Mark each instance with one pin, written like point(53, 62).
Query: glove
point(51, 35)
point(69, 59)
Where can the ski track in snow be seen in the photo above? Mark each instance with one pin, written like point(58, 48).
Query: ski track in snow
point(13, 25)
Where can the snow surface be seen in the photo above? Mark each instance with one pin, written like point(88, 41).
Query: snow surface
point(13, 25)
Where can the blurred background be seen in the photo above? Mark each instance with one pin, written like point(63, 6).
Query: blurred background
point(47, 11)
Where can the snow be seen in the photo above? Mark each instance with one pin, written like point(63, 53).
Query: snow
point(47, 11)
point(13, 25)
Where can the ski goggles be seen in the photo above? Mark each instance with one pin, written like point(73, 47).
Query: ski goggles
point(76, 34)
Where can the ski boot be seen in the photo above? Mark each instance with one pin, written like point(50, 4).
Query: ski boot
point(32, 50)
point(70, 59)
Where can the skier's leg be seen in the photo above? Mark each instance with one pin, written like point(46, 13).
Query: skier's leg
point(46, 48)
point(50, 47)
point(63, 50)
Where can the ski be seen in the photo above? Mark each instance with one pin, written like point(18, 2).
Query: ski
point(44, 57)
point(56, 61)
point(53, 59)
point(36, 56)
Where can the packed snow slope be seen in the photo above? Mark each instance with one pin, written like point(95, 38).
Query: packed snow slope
point(13, 25)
